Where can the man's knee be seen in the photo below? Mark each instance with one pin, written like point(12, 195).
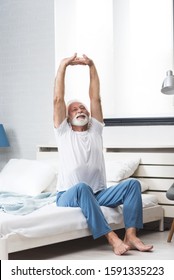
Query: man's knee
point(83, 187)
point(134, 183)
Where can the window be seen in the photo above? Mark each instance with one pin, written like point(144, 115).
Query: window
point(131, 43)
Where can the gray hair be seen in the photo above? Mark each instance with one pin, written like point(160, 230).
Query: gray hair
point(73, 101)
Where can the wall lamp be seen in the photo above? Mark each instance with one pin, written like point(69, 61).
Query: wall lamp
point(3, 137)
point(168, 83)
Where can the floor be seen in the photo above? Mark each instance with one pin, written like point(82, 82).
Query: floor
point(89, 249)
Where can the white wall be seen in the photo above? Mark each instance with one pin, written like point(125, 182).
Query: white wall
point(27, 58)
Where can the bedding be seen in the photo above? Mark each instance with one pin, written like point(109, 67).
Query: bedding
point(117, 170)
point(32, 177)
point(24, 183)
point(18, 204)
point(52, 220)
point(42, 222)
point(29, 177)
point(23, 193)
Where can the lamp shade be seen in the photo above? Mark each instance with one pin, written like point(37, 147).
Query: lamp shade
point(3, 138)
point(168, 83)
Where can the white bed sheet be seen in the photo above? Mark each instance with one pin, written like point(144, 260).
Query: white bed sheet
point(51, 220)
point(149, 200)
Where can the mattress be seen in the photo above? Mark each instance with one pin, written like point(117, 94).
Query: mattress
point(52, 220)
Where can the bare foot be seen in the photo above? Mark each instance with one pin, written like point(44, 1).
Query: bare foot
point(119, 247)
point(136, 244)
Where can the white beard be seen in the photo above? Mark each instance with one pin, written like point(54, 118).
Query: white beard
point(80, 121)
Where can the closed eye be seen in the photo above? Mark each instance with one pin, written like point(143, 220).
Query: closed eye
point(82, 107)
point(74, 109)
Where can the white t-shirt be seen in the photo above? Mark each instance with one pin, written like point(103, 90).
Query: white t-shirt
point(80, 156)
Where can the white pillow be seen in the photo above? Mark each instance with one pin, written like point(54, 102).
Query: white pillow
point(24, 176)
point(52, 187)
point(144, 186)
point(55, 164)
point(117, 170)
point(52, 162)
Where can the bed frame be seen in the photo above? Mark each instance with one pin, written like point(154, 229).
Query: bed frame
point(157, 170)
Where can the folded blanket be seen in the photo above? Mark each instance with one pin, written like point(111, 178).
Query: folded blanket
point(18, 204)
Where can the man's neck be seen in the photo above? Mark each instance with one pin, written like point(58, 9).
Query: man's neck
point(80, 128)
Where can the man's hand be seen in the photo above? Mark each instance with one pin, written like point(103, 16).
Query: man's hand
point(74, 60)
point(87, 60)
point(84, 60)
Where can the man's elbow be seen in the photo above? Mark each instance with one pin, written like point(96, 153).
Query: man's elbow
point(58, 101)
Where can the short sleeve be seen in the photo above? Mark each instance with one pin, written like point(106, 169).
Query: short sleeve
point(61, 129)
point(96, 126)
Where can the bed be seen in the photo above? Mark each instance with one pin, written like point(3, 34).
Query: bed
point(29, 218)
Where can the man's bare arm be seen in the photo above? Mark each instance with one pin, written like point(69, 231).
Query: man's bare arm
point(59, 90)
point(94, 94)
point(94, 90)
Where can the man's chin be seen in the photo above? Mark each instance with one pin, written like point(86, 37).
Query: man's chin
point(80, 122)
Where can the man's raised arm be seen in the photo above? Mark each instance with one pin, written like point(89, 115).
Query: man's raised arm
point(59, 90)
point(94, 90)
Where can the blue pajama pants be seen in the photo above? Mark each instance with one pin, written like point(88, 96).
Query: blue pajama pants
point(127, 193)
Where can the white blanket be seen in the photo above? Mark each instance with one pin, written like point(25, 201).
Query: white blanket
point(18, 204)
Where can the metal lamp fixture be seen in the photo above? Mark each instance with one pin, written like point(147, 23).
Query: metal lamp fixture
point(3, 137)
point(168, 83)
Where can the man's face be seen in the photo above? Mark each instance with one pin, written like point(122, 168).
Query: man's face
point(78, 115)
